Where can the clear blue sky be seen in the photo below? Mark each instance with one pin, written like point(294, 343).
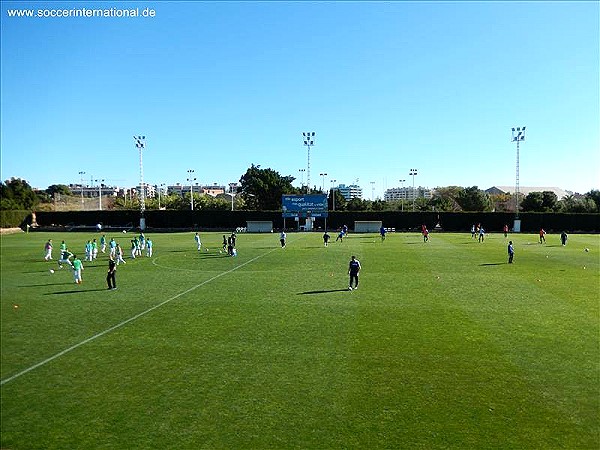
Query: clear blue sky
point(386, 86)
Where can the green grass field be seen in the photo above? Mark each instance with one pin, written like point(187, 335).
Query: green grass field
point(444, 345)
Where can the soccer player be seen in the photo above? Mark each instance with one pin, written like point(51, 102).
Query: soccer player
point(542, 236)
point(77, 268)
point(340, 236)
point(505, 230)
point(119, 253)
point(149, 245)
point(64, 258)
point(48, 248)
point(425, 235)
point(113, 248)
point(511, 252)
point(224, 243)
point(481, 234)
point(326, 238)
point(382, 233)
point(103, 243)
point(110, 276)
point(198, 242)
point(94, 249)
point(88, 251)
point(134, 247)
point(282, 238)
point(353, 270)
point(63, 246)
point(563, 238)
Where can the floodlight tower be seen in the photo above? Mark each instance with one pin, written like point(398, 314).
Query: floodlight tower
point(333, 194)
point(372, 190)
point(301, 178)
point(412, 173)
point(160, 188)
point(518, 135)
point(403, 195)
point(308, 138)
point(140, 143)
point(191, 179)
point(99, 193)
point(81, 174)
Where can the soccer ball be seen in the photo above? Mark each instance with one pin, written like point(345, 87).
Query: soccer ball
point(587, 249)
point(51, 270)
point(124, 231)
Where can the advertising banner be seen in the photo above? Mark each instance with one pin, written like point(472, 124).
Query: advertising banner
point(304, 205)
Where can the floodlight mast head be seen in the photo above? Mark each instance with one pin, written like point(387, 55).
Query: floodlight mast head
point(308, 137)
point(518, 134)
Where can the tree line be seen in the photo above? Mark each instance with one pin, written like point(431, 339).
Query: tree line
point(261, 189)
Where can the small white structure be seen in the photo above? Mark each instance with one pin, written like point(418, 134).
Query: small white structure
point(259, 226)
point(367, 226)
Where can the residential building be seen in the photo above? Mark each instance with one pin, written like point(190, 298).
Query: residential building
point(94, 191)
point(407, 193)
point(350, 192)
point(183, 189)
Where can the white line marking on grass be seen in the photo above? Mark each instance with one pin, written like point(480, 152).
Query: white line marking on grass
point(131, 319)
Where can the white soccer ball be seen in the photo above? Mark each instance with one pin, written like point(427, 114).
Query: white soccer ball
point(51, 270)
point(587, 249)
point(124, 231)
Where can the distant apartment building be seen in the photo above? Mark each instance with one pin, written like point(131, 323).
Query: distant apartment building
point(182, 189)
point(407, 193)
point(350, 192)
point(94, 191)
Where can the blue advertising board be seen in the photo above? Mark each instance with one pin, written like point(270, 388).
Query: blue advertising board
point(304, 205)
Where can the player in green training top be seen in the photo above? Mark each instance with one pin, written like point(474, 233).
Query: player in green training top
point(77, 269)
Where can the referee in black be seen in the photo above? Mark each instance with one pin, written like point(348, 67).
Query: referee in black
point(110, 276)
point(353, 270)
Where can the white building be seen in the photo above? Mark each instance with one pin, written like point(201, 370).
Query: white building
point(407, 193)
point(350, 192)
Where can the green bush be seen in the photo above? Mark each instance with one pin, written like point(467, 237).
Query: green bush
point(14, 218)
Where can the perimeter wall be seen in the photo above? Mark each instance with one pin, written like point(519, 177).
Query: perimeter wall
point(400, 221)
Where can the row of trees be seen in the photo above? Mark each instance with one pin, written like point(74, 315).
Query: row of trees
point(261, 189)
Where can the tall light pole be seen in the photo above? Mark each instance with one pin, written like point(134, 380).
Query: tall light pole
point(301, 178)
point(140, 143)
point(160, 188)
point(231, 193)
point(333, 194)
point(372, 190)
point(81, 174)
point(413, 172)
point(99, 193)
point(518, 135)
point(309, 140)
point(403, 195)
point(191, 179)
point(323, 182)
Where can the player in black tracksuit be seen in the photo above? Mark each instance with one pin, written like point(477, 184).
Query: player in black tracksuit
point(110, 276)
point(353, 269)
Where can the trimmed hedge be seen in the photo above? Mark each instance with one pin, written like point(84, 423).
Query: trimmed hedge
point(401, 221)
point(14, 218)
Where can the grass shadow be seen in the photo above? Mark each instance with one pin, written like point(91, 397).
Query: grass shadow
point(493, 264)
point(321, 292)
point(77, 291)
